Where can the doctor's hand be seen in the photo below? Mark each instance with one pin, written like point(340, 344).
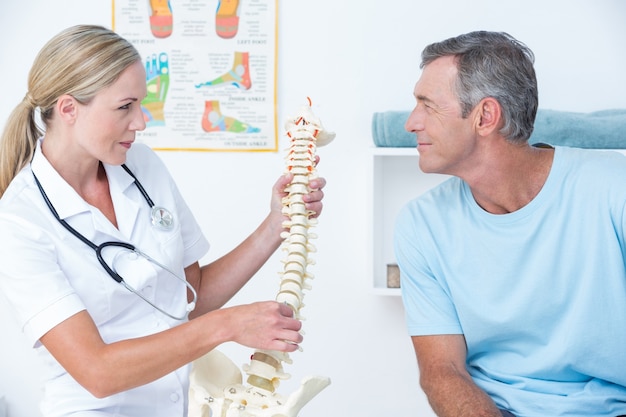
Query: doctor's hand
point(313, 200)
point(263, 325)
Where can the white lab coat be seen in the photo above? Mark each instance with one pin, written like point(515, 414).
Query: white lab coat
point(49, 275)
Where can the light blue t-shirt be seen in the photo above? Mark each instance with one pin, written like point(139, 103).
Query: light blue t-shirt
point(539, 294)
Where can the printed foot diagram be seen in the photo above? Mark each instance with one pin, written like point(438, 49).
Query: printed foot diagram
point(239, 75)
point(157, 82)
point(161, 20)
point(227, 18)
point(214, 121)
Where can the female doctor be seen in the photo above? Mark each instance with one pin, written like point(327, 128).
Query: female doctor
point(99, 250)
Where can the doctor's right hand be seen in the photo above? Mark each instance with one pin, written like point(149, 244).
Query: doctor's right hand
point(266, 325)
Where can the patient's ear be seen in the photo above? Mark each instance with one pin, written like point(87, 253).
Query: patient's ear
point(488, 116)
point(66, 108)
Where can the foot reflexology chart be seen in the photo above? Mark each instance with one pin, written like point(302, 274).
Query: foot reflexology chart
point(217, 388)
point(210, 71)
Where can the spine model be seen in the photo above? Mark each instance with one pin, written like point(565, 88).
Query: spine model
point(306, 134)
point(216, 388)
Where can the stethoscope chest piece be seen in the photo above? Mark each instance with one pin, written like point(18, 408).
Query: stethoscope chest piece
point(161, 218)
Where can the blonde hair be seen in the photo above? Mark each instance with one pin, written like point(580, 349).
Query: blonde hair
point(79, 61)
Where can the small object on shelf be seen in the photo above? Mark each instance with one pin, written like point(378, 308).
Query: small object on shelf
point(393, 276)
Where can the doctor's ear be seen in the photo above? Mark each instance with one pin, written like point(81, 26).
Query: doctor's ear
point(67, 108)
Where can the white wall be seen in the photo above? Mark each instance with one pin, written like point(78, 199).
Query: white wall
point(353, 57)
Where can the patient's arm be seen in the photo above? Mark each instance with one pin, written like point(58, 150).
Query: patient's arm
point(445, 380)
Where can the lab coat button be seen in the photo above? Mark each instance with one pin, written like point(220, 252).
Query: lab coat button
point(174, 397)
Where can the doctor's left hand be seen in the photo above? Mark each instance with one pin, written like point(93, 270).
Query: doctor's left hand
point(313, 200)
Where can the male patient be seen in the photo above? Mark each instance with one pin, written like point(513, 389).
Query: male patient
point(513, 271)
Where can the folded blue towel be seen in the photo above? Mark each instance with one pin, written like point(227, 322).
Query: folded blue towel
point(605, 129)
point(388, 130)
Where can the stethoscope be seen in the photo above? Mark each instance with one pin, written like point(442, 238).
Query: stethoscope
point(160, 218)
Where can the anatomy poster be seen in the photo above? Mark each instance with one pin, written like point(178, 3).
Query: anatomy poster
point(210, 71)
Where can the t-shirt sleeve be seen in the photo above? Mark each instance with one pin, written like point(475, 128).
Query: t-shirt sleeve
point(428, 306)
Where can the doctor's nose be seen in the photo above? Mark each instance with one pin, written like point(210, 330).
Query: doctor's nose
point(139, 120)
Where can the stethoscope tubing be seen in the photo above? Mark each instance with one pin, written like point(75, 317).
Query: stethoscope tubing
point(98, 250)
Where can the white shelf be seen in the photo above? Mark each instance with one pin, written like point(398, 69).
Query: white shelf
point(386, 291)
point(395, 180)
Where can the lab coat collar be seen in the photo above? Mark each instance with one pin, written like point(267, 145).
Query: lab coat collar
point(63, 197)
point(119, 183)
point(65, 200)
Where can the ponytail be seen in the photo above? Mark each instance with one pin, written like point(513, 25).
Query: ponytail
point(18, 141)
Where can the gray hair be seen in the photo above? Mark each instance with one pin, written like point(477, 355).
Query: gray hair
point(496, 65)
